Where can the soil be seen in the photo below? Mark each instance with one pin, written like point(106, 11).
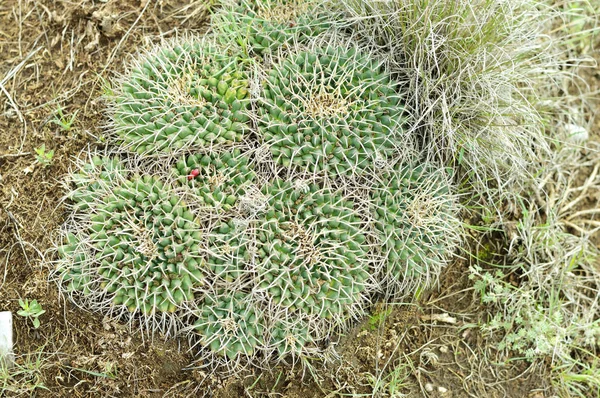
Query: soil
point(53, 54)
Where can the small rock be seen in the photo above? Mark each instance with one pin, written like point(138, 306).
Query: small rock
point(442, 390)
point(576, 134)
point(429, 387)
point(6, 339)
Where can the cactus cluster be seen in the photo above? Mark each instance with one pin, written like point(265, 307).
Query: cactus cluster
point(259, 224)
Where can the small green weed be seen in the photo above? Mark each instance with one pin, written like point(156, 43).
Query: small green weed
point(61, 120)
point(42, 157)
point(32, 310)
point(26, 376)
point(378, 317)
point(392, 383)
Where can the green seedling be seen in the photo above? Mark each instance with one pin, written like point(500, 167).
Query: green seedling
point(32, 310)
point(42, 157)
point(60, 119)
point(378, 318)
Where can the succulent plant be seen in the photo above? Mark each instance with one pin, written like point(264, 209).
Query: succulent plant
point(148, 243)
point(138, 244)
point(291, 337)
point(332, 110)
point(217, 179)
point(95, 178)
point(230, 325)
point(229, 251)
point(259, 258)
point(312, 252)
point(186, 94)
point(416, 220)
point(304, 255)
point(73, 264)
point(264, 26)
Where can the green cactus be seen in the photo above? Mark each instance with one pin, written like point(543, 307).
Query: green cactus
point(141, 244)
point(264, 26)
point(416, 220)
point(260, 259)
point(217, 180)
point(94, 179)
point(332, 110)
point(305, 253)
point(229, 251)
point(312, 251)
point(230, 325)
point(291, 337)
point(186, 94)
point(148, 243)
point(73, 264)
point(309, 247)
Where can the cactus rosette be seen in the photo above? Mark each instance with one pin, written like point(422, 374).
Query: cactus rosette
point(331, 110)
point(292, 337)
point(415, 217)
point(265, 26)
point(303, 257)
point(216, 180)
point(181, 95)
point(230, 325)
point(312, 252)
point(136, 248)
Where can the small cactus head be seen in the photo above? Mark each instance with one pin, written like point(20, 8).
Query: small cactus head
point(230, 325)
point(147, 241)
point(216, 180)
point(266, 26)
point(311, 252)
point(416, 222)
point(330, 110)
point(136, 246)
point(292, 337)
point(181, 95)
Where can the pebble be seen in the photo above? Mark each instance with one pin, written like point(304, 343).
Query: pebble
point(6, 338)
point(577, 134)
